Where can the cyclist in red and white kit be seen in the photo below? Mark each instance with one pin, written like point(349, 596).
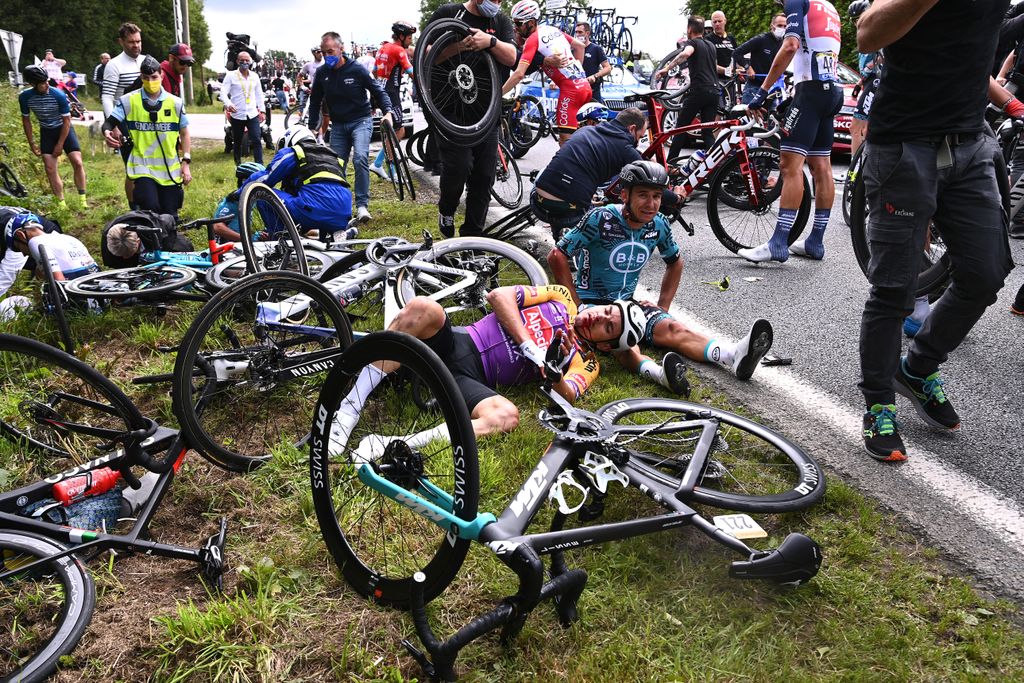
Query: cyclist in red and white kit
point(548, 41)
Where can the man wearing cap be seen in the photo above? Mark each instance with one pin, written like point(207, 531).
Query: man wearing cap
point(179, 60)
point(304, 79)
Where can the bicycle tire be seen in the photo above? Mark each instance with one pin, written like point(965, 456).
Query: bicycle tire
point(488, 258)
point(400, 166)
point(295, 117)
point(289, 254)
point(53, 301)
point(625, 43)
point(673, 79)
point(526, 122)
point(412, 150)
point(10, 183)
point(759, 223)
point(507, 188)
point(226, 273)
point(461, 96)
point(758, 470)
point(139, 282)
point(605, 38)
point(848, 180)
point(43, 388)
point(511, 224)
point(388, 142)
point(228, 393)
point(23, 606)
point(379, 560)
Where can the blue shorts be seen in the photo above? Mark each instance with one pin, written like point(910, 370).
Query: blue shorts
point(809, 127)
point(48, 140)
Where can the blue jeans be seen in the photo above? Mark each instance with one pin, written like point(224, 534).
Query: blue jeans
point(282, 100)
point(345, 136)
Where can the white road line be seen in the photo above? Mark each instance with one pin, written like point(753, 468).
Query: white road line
point(968, 496)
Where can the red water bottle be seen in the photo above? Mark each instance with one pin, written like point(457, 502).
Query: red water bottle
point(89, 484)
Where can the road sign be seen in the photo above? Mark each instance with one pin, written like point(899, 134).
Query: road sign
point(12, 44)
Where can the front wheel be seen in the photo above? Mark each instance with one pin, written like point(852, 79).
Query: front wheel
point(44, 610)
point(261, 210)
point(740, 220)
point(377, 542)
point(507, 189)
point(141, 282)
point(749, 467)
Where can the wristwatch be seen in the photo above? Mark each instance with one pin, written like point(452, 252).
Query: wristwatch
point(186, 158)
point(494, 41)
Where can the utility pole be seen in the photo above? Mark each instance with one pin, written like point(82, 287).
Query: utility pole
point(185, 39)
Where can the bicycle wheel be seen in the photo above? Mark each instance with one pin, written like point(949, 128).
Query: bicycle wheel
point(526, 122)
point(54, 405)
point(412, 147)
point(44, 610)
point(750, 468)
point(250, 365)
point(496, 264)
point(296, 116)
point(260, 209)
point(226, 273)
point(739, 223)
point(388, 143)
point(460, 91)
point(851, 177)
point(378, 543)
point(507, 189)
point(139, 282)
point(511, 224)
point(675, 78)
point(54, 299)
point(625, 44)
point(10, 183)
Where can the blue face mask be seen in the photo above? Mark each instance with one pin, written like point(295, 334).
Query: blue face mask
point(331, 60)
point(489, 8)
point(244, 66)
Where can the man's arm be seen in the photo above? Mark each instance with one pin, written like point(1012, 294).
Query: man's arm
point(684, 55)
point(1005, 68)
point(185, 138)
point(316, 98)
point(558, 262)
point(65, 128)
point(886, 21)
point(11, 264)
point(670, 284)
point(26, 124)
point(606, 68)
point(111, 76)
point(781, 62)
point(577, 47)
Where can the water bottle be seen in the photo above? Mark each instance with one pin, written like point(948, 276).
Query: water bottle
point(74, 489)
point(693, 162)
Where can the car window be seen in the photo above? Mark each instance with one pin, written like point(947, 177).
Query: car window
point(847, 76)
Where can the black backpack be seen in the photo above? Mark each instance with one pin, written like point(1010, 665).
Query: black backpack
point(156, 231)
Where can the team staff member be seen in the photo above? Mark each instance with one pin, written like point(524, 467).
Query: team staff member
point(97, 72)
point(703, 94)
point(757, 54)
point(156, 123)
point(932, 159)
point(242, 95)
point(491, 31)
point(179, 60)
point(595, 61)
point(53, 112)
point(812, 42)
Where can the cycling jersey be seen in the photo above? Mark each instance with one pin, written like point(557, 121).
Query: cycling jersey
point(392, 62)
point(544, 310)
point(65, 253)
point(816, 24)
point(49, 107)
point(610, 255)
point(571, 80)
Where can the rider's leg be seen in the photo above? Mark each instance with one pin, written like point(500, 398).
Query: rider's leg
point(53, 175)
point(670, 373)
point(739, 357)
point(79, 168)
point(493, 415)
point(813, 246)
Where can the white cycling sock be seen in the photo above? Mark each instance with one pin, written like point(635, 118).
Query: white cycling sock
point(921, 309)
point(653, 372)
point(722, 353)
point(348, 411)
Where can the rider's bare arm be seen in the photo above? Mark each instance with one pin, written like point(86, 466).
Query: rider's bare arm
point(558, 262)
point(670, 283)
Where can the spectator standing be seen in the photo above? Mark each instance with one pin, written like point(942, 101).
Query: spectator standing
point(757, 54)
point(472, 168)
point(53, 112)
point(123, 70)
point(368, 59)
point(932, 159)
point(156, 122)
point(343, 86)
point(304, 79)
point(53, 67)
point(179, 60)
point(97, 72)
point(242, 95)
point(595, 61)
point(702, 96)
point(277, 85)
point(724, 43)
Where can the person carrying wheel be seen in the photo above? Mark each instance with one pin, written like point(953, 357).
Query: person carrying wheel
point(611, 246)
point(573, 88)
point(812, 42)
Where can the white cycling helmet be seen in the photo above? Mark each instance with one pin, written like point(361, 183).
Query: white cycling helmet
point(525, 9)
point(293, 135)
point(634, 323)
point(592, 112)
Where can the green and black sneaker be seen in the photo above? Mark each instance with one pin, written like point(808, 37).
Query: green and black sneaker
point(881, 439)
point(928, 396)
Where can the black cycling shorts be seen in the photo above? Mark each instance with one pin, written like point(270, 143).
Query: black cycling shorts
point(396, 107)
point(867, 97)
point(456, 349)
point(809, 126)
point(48, 140)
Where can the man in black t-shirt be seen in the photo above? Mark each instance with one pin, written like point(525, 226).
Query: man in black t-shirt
point(595, 61)
point(702, 97)
point(931, 158)
point(490, 31)
point(724, 44)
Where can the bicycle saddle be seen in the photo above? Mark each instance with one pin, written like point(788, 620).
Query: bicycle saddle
point(643, 95)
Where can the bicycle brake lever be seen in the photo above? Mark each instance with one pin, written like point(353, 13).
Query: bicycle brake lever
point(428, 240)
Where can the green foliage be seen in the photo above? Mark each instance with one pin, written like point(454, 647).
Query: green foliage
point(746, 18)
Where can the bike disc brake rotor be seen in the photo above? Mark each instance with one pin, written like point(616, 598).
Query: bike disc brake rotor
point(401, 465)
point(463, 81)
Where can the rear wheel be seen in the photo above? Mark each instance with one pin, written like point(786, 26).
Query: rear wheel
point(44, 610)
point(526, 122)
point(378, 543)
point(261, 210)
point(507, 189)
point(141, 282)
point(511, 224)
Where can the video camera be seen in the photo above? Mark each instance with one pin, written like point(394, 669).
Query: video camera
point(239, 42)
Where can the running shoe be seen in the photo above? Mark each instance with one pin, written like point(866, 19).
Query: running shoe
point(881, 438)
point(751, 349)
point(379, 171)
point(674, 368)
point(362, 215)
point(799, 248)
point(760, 254)
point(928, 397)
point(1017, 308)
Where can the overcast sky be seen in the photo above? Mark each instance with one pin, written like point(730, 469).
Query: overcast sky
point(297, 25)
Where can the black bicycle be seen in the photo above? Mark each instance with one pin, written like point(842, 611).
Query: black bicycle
point(10, 186)
point(395, 483)
point(59, 413)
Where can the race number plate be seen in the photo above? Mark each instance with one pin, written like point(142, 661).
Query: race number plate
point(740, 526)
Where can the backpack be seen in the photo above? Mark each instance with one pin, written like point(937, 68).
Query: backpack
point(158, 232)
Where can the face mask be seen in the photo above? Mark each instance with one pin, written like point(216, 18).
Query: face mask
point(152, 87)
point(778, 32)
point(488, 8)
point(244, 66)
point(331, 60)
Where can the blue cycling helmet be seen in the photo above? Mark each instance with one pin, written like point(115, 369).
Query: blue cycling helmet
point(249, 168)
point(592, 112)
point(18, 222)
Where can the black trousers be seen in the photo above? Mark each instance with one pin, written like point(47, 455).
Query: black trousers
point(471, 168)
point(150, 195)
point(240, 127)
point(702, 103)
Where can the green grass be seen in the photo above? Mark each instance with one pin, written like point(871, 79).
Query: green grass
point(657, 608)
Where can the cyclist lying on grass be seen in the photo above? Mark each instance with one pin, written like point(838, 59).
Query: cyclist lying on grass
point(506, 347)
point(611, 247)
point(68, 257)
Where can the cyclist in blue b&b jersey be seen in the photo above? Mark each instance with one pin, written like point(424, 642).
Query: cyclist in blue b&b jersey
point(811, 43)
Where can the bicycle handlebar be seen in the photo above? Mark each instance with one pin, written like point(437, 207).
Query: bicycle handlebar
point(203, 222)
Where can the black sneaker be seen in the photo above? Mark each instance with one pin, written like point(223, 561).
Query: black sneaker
point(752, 348)
point(674, 368)
point(881, 440)
point(446, 224)
point(928, 397)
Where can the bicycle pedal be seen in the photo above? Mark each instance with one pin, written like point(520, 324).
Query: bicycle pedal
point(421, 658)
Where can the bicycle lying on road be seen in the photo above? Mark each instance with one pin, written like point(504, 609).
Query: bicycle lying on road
point(10, 186)
point(396, 493)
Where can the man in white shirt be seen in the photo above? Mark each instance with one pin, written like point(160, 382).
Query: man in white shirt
point(304, 79)
point(123, 70)
point(242, 95)
point(367, 59)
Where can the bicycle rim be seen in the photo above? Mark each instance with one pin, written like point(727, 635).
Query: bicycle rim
point(10, 181)
point(391, 152)
point(750, 468)
point(526, 121)
point(226, 273)
point(261, 210)
point(249, 367)
point(140, 282)
point(44, 610)
point(377, 543)
point(508, 184)
point(511, 224)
